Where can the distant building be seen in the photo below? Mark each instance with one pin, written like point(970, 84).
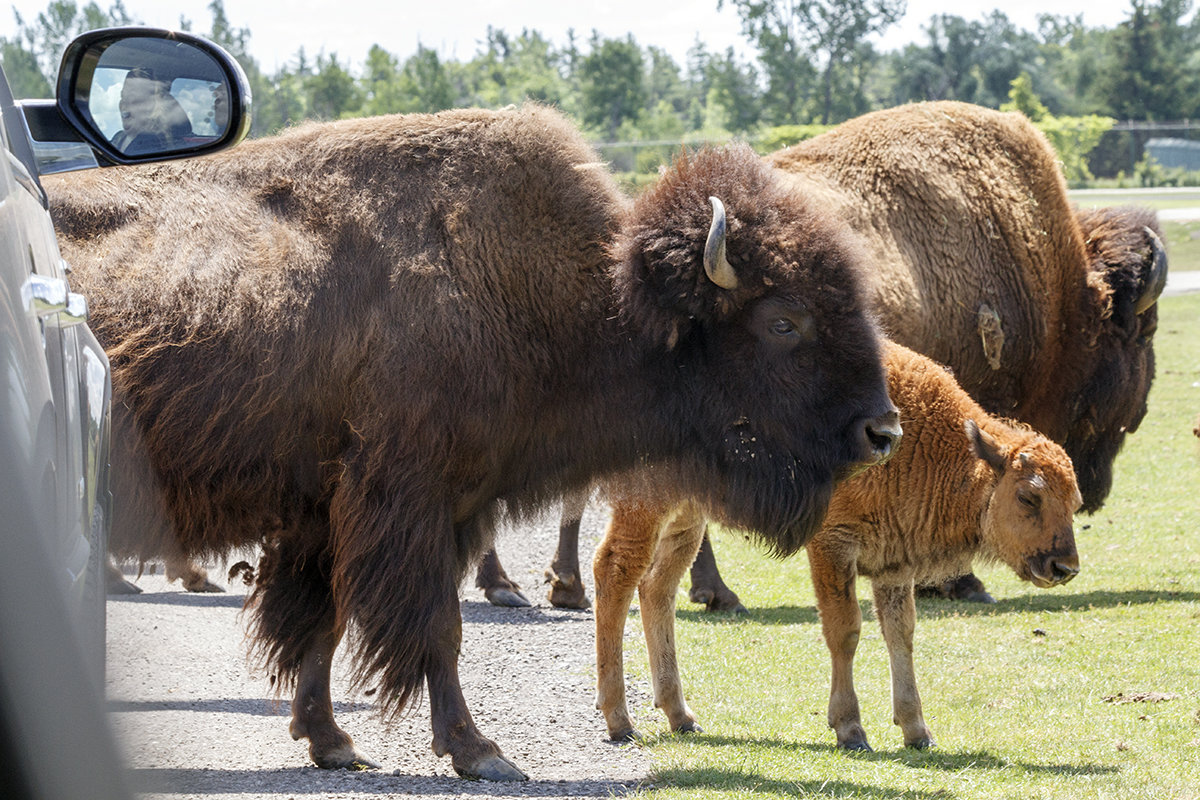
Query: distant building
point(1175, 153)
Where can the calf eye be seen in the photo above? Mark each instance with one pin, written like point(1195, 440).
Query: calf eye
point(1030, 500)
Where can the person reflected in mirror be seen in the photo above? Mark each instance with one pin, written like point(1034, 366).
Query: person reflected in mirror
point(152, 120)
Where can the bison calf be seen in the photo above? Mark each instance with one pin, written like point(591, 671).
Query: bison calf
point(961, 484)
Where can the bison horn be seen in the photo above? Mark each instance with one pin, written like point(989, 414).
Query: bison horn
point(1156, 281)
point(716, 265)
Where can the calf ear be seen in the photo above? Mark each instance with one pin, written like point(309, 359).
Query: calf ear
point(984, 447)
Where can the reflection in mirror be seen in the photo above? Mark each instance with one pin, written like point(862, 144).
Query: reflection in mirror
point(150, 95)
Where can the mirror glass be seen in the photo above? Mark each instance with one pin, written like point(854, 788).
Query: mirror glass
point(152, 95)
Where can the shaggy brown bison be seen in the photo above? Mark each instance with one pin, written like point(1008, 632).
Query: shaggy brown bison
point(961, 483)
point(358, 344)
point(1045, 313)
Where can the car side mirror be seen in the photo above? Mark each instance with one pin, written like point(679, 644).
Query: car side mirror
point(147, 94)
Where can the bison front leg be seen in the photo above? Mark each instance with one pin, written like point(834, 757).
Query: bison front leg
point(471, 753)
point(897, 618)
point(621, 559)
point(675, 552)
point(833, 575)
point(312, 709)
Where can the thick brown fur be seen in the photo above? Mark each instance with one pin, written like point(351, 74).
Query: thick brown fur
point(1004, 492)
point(982, 264)
point(358, 343)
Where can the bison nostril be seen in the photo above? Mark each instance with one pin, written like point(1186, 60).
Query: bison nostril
point(883, 435)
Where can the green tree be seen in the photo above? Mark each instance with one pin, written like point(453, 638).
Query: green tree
point(331, 89)
point(39, 46)
point(381, 84)
point(776, 28)
point(1146, 75)
point(612, 83)
point(735, 87)
point(426, 81)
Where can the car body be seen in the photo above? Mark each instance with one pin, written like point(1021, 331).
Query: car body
point(55, 400)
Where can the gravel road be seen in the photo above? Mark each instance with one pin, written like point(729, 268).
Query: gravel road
point(195, 722)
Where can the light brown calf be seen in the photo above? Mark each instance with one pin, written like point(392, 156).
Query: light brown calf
point(962, 484)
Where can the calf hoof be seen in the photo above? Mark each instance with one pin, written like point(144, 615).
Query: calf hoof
point(690, 727)
point(921, 743)
point(508, 598)
point(857, 746)
point(566, 594)
point(491, 768)
point(629, 735)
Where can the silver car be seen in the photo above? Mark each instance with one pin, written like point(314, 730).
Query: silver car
point(124, 96)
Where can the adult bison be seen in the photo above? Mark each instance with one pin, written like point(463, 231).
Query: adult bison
point(1045, 313)
point(357, 344)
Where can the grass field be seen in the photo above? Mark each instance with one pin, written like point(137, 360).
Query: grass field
point(1091, 690)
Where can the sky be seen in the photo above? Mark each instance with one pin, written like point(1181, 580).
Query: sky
point(455, 28)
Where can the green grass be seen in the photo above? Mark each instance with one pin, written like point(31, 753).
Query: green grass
point(1019, 695)
point(1183, 244)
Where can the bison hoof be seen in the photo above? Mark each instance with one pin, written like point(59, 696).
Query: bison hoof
point(857, 746)
point(122, 586)
point(508, 598)
point(922, 743)
point(203, 586)
point(343, 758)
point(724, 601)
point(690, 727)
point(563, 596)
point(492, 768)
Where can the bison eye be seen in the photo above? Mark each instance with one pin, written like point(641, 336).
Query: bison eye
point(1030, 500)
point(783, 327)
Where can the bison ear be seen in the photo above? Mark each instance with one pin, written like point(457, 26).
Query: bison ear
point(984, 447)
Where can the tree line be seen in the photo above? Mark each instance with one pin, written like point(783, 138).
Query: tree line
point(812, 66)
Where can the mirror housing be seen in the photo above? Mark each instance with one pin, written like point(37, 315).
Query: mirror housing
point(138, 94)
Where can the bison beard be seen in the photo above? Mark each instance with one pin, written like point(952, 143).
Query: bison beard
point(357, 344)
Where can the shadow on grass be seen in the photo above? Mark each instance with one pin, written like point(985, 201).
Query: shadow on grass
point(932, 608)
point(935, 759)
point(1051, 601)
point(731, 780)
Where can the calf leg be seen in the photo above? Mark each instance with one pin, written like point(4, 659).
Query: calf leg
point(676, 550)
point(897, 618)
point(498, 588)
point(621, 559)
point(707, 585)
point(833, 576)
point(566, 582)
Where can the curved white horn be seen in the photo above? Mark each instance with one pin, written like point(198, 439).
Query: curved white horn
point(716, 266)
